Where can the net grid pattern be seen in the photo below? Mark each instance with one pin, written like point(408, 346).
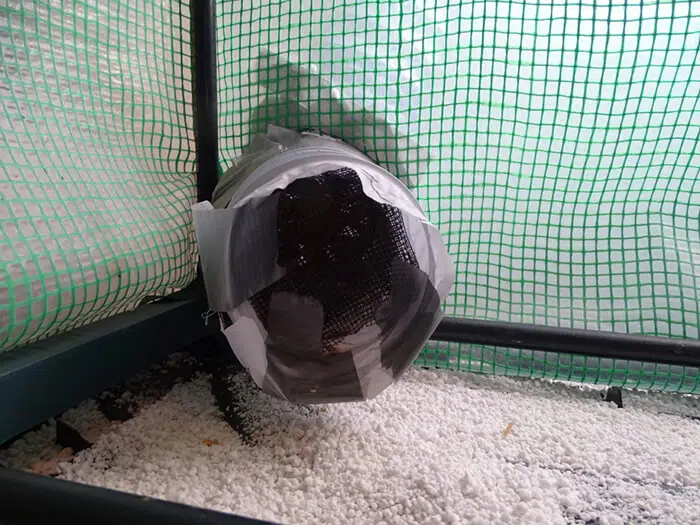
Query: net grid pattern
point(96, 161)
point(563, 152)
point(558, 145)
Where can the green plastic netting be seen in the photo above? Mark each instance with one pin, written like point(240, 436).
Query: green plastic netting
point(558, 144)
point(555, 144)
point(96, 160)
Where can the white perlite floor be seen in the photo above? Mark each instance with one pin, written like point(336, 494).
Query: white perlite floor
point(432, 449)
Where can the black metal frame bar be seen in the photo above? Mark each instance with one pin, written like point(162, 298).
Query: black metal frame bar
point(31, 499)
point(683, 352)
point(203, 19)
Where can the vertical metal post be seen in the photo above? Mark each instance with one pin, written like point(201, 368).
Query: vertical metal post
point(203, 20)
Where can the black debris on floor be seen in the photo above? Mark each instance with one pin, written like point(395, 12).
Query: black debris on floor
point(69, 437)
point(211, 356)
point(221, 364)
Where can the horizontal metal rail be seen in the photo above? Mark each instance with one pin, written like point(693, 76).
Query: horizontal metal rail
point(591, 343)
point(43, 379)
point(28, 499)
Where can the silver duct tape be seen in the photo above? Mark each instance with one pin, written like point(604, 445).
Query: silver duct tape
point(284, 353)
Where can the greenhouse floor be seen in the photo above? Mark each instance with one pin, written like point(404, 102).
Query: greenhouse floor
point(437, 447)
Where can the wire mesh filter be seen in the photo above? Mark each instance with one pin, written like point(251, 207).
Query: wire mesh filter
point(326, 274)
point(337, 246)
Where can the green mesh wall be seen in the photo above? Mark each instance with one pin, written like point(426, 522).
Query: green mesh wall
point(554, 143)
point(557, 145)
point(96, 160)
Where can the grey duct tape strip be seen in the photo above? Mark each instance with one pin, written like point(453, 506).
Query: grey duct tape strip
point(285, 352)
point(231, 235)
point(247, 231)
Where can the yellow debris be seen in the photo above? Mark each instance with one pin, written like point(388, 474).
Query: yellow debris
point(507, 430)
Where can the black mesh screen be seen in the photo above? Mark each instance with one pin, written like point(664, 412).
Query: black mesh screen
point(337, 246)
